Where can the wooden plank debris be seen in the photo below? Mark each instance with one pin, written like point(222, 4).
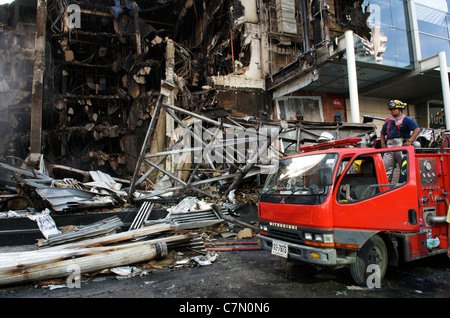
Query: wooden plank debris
point(87, 256)
point(86, 261)
point(119, 237)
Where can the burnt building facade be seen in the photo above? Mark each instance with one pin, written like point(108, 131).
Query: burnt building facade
point(79, 81)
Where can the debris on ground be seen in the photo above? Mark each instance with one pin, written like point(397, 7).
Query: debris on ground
point(126, 254)
point(181, 196)
point(106, 247)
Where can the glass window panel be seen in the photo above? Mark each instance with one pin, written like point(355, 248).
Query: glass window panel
point(398, 14)
point(380, 12)
point(448, 25)
point(437, 116)
point(386, 12)
point(388, 46)
point(360, 181)
point(397, 52)
point(431, 45)
point(388, 41)
point(432, 21)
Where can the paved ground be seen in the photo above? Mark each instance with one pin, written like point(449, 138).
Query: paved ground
point(255, 274)
point(243, 282)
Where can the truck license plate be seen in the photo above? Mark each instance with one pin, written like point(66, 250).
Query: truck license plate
point(280, 249)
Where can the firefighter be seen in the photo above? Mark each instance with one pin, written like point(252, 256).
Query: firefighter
point(398, 130)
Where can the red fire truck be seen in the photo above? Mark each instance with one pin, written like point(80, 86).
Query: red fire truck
point(333, 204)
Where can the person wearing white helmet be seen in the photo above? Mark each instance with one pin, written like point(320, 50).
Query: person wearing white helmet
point(398, 130)
point(325, 136)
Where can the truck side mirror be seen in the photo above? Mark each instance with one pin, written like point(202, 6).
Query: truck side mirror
point(326, 176)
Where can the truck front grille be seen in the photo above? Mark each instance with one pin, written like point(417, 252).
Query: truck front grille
point(290, 236)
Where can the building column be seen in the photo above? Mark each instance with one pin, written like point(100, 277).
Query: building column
point(38, 82)
point(445, 87)
point(413, 32)
point(170, 99)
point(352, 80)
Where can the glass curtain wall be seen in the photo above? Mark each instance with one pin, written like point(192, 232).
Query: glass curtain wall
point(433, 23)
point(387, 41)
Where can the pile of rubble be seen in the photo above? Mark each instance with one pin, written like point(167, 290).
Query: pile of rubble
point(215, 165)
point(160, 224)
point(107, 245)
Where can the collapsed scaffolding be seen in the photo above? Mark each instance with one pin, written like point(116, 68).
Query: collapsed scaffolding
point(226, 150)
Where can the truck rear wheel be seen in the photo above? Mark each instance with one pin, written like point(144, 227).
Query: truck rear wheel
point(374, 251)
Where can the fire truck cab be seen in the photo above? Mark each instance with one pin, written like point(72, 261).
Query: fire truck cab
point(334, 205)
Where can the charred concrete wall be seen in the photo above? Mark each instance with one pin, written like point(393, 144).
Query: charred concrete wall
point(105, 82)
point(105, 75)
point(17, 29)
point(100, 88)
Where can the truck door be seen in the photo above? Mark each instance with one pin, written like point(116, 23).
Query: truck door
point(365, 200)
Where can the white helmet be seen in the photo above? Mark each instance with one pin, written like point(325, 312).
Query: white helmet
point(325, 136)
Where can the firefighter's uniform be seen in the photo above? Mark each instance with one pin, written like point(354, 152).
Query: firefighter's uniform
point(396, 134)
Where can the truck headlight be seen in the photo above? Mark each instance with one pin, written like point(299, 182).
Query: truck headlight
point(318, 237)
point(328, 238)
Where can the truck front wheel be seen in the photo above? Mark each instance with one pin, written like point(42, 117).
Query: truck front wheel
point(373, 252)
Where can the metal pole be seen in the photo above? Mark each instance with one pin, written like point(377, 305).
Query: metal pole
point(179, 187)
point(163, 157)
point(352, 80)
point(445, 87)
point(145, 144)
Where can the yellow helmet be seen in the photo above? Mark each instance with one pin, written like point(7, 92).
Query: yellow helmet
point(396, 104)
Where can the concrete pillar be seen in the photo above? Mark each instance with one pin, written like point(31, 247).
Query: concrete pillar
point(250, 11)
point(38, 82)
point(254, 69)
point(264, 40)
point(352, 79)
point(170, 78)
point(445, 87)
point(413, 32)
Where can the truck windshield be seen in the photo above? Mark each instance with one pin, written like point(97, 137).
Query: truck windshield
point(303, 175)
